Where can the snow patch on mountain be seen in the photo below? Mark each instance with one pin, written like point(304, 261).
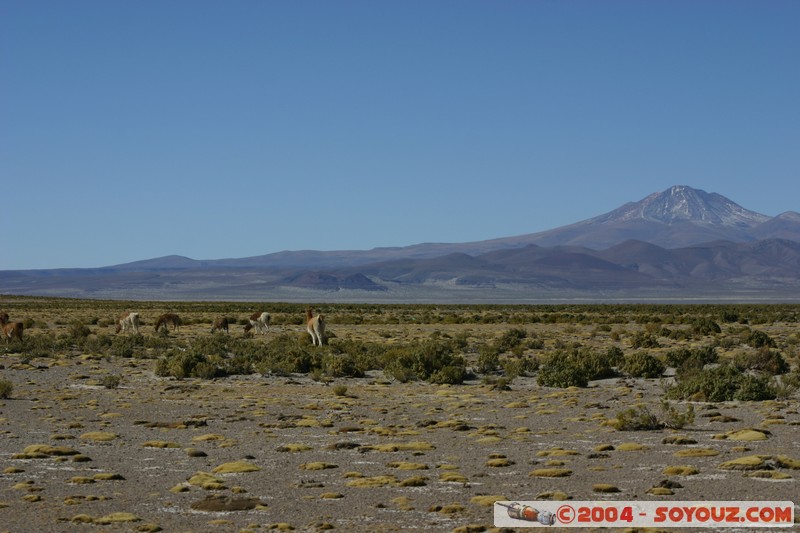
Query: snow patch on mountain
point(685, 204)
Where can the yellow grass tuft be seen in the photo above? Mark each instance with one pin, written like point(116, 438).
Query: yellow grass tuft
point(418, 446)
point(402, 465)
point(487, 500)
point(99, 436)
point(748, 462)
point(160, 444)
point(371, 482)
point(236, 467)
point(318, 465)
point(631, 447)
point(746, 435)
point(680, 471)
point(697, 452)
point(294, 448)
point(551, 472)
point(453, 477)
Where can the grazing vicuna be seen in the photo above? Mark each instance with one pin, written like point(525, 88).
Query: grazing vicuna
point(220, 324)
point(168, 319)
point(315, 325)
point(11, 330)
point(128, 321)
point(260, 321)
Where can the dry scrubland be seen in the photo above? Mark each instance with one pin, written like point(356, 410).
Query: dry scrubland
point(413, 417)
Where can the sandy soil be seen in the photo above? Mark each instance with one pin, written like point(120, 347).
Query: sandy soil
point(257, 452)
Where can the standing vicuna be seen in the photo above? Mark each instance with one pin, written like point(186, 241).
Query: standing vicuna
point(315, 325)
point(10, 330)
point(128, 321)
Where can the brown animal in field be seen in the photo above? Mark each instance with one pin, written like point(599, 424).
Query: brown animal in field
point(168, 319)
point(260, 321)
point(10, 330)
point(128, 321)
point(221, 324)
point(315, 325)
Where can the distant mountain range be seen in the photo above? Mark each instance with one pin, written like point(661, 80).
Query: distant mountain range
point(680, 244)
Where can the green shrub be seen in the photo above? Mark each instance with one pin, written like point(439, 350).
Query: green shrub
point(452, 374)
point(341, 365)
point(128, 346)
point(684, 358)
point(757, 339)
point(488, 358)
point(755, 389)
point(675, 419)
point(643, 365)
point(642, 419)
point(186, 364)
point(519, 366)
point(599, 365)
point(644, 340)
point(636, 419)
point(365, 355)
point(111, 381)
point(705, 326)
point(719, 384)
point(787, 385)
point(560, 370)
point(510, 339)
point(763, 360)
point(6, 389)
point(77, 330)
point(429, 360)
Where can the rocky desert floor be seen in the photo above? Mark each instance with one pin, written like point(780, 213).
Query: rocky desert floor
point(259, 453)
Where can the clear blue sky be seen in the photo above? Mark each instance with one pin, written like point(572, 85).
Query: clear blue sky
point(212, 129)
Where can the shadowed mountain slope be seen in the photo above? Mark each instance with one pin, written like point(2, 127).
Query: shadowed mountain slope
point(679, 241)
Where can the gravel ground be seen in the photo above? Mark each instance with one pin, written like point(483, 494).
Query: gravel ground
point(258, 452)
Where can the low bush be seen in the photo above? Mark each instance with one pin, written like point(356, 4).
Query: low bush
point(488, 358)
point(705, 326)
point(111, 381)
point(519, 366)
point(432, 360)
point(560, 370)
point(763, 360)
point(342, 365)
point(758, 339)
point(721, 383)
point(642, 339)
point(643, 365)
point(602, 365)
point(686, 358)
point(510, 339)
point(78, 330)
point(6, 389)
point(642, 419)
point(636, 419)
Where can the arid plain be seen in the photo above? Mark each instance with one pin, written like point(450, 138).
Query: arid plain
point(186, 430)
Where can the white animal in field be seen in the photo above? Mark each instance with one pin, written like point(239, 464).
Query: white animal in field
point(128, 321)
point(260, 321)
point(315, 325)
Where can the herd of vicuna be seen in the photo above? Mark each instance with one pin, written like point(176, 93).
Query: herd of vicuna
point(130, 322)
